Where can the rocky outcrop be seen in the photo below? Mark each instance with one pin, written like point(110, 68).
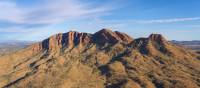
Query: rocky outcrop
point(73, 38)
point(150, 62)
point(158, 38)
point(154, 45)
point(107, 36)
point(157, 45)
point(65, 40)
point(124, 37)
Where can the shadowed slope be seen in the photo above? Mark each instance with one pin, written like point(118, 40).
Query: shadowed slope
point(105, 59)
point(107, 36)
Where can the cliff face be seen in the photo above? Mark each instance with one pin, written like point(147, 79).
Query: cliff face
point(73, 38)
point(65, 40)
point(105, 59)
point(158, 38)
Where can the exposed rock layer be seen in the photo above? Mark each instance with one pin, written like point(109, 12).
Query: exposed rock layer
point(73, 38)
point(105, 59)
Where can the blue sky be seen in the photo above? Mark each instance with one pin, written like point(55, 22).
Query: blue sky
point(35, 20)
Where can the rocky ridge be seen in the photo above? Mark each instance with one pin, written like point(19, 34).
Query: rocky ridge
point(105, 59)
point(73, 38)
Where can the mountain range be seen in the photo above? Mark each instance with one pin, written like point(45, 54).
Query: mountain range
point(7, 47)
point(194, 45)
point(105, 59)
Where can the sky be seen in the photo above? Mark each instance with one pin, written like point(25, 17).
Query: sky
point(35, 20)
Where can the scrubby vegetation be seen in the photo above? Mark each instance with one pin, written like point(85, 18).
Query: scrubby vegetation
point(143, 63)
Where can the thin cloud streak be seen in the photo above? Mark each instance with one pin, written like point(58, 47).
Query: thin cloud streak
point(117, 24)
point(170, 20)
point(132, 21)
point(51, 12)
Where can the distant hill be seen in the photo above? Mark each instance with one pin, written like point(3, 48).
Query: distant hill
point(105, 59)
point(12, 46)
point(194, 45)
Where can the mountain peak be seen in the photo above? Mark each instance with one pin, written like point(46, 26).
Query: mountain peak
point(74, 55)
point(108, 36)
point(157, 37)
point(74, 38)
point(105, 30)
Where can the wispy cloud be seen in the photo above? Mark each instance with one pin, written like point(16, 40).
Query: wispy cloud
point(38, 20)
point(171, 20)
point(117, 24)
point(46, 17)
point(50, 12)
point(152, 21)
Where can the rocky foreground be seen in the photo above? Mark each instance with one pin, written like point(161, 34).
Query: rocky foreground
point(105, 59)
